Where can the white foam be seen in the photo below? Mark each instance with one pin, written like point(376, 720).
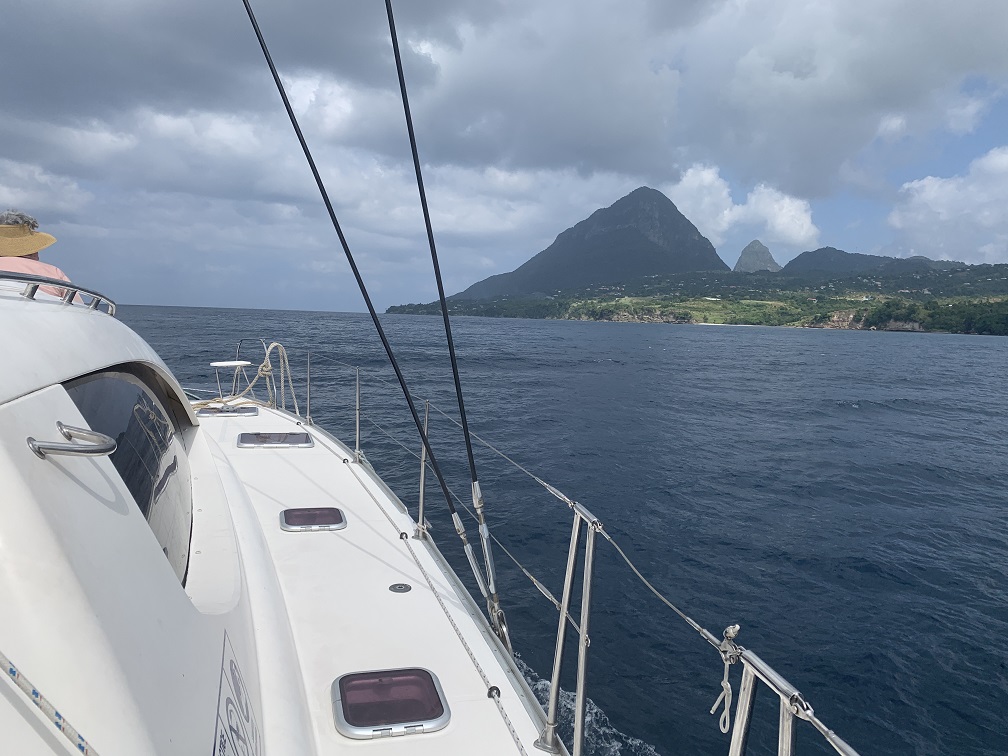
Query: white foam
point(601, 738)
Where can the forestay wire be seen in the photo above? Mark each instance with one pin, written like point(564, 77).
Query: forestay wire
point(493, 602)
point(460, 529)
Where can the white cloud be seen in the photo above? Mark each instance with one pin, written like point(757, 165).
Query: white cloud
point(204, 133)
point(963, 114)
point(891, 127)
point(786, 219)
point(704, 197)
point(801, 87)
point(961, 217)
point(34, 190)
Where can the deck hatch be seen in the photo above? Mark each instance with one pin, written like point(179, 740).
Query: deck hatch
point(389, 703)
point(313, 518)
point(274, 440)
point(244, 410)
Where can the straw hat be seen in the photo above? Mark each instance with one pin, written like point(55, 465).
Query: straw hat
point(18, 235)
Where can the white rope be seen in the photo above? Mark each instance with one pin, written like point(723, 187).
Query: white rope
point(264, 371)
point(47, 708)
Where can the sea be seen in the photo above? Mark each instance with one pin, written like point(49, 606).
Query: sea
point(841, 495)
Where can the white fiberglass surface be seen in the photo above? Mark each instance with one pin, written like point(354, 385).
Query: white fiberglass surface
point(84, 340)
point(94, 615)
point(344, 597)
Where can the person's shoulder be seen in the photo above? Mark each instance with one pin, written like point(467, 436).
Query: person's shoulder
point(54, 272)
point(32, 267)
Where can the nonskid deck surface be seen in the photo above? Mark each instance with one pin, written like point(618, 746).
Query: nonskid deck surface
point(335, 589)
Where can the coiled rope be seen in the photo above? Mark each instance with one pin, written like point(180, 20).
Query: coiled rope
point(265, 372)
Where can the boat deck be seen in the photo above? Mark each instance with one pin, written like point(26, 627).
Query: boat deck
point(334, 604)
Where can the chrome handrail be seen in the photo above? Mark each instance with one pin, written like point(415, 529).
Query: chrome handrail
point(235, 387)
point(421, 528)
point(70, 290)
point(547, 740)
point(357, 449)
point(97, 444)
point(792, 704)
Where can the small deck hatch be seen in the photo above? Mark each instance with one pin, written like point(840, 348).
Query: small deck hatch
point(389, 703)
point(313, 518)
point(274, 440)
point(244, 410)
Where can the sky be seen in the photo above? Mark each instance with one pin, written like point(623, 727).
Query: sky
point(148, 137)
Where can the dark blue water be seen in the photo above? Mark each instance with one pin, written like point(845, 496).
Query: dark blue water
point(839, 494)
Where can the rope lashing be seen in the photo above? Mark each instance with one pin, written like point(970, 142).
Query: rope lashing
point(729, 652)
point(726, 695)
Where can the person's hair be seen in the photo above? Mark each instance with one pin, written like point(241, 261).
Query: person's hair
point(17, 218)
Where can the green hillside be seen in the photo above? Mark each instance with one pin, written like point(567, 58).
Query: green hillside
point(958, 299)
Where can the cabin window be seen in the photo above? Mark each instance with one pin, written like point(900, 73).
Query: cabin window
point(389, 703)
point(133, 407)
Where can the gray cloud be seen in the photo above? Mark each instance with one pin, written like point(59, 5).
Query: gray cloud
point(148, 135)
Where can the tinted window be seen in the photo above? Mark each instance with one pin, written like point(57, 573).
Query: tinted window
point(408, 698)
point(149, 455)
point(312, 518)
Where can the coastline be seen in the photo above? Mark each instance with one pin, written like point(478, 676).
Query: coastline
point(973, 315)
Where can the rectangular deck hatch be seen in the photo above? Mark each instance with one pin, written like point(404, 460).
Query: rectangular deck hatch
point(389, 703)
point(274, 440)
point(243, 410)
point(313, 518)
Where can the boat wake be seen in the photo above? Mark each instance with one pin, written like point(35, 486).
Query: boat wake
point(601, 738)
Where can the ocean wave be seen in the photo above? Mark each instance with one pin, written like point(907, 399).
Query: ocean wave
point(601, 738)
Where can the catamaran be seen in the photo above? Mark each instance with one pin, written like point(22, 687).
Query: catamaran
point(186, 574)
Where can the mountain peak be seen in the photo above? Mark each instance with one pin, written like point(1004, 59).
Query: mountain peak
point(641, 234)
point(756, 257)
point(833, 260)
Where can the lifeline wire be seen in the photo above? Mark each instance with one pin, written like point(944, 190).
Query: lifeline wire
point(730, 652)
point(535, 581)
point(496, 613)
point(558, 494)
point(459, 528)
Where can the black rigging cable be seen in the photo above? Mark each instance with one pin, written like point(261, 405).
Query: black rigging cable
point(459, 528)
point(493, 606)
